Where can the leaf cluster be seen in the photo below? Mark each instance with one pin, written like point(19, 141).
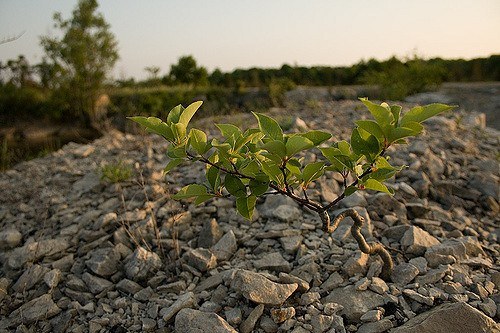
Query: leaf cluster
point(264, 159)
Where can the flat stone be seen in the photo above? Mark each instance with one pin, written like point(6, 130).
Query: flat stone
point(433, 275)
point(30, 278)
point(96, 284)
point(233, 316)
point(259, 289)
point(356, 264)
point(416, 241)
point(36, 250)
point(142, 264)
point(321, 323)
point(128, 286)
point(437, 255)
point(52, 278)
point(355, 303)
point(186, 300)
point(404, 273)
point(10, 238)
point(333, 281)
point(291, 243)
point(282, 314)
point(195, 321)
point(248, 325)
point(376, 327)
point(201, 259)
point(427, 300)
point(225, 248)
point(378, 285)
point(287, 213)
point(274, 262)
point(210, 234)
point(357, 199)
point(455, 317)
point(37, 309)
point(104, 262)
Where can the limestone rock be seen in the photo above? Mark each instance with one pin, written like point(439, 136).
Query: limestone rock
point(195, 321)
point(40, 308)
point(259, 289)
point(209, 234)
point(225, 247)
point(36, 250)
point(356, 303)
point(201, 259)
point(141, 264)
point(273, 261)
point(455, 317)
point(416, 241)
point(103, 262)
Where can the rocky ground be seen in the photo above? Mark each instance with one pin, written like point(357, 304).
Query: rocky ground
point(80, 254)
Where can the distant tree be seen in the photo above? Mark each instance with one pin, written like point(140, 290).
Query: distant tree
point(79, 61)
point(153, 79)
point(186, 71)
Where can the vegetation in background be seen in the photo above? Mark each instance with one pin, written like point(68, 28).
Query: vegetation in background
point(264, 160)
point(116, 172)
point(76, 65)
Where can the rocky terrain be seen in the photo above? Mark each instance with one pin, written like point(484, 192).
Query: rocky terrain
point(80, 254)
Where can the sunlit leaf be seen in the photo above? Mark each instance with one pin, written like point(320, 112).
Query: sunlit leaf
point(175, 114)
point(269, 126)
point(235, 186)
point(189, 112)
point(297, 143)
point(155, 125)
point(190, 191)
point(172, 164)
point(312, 171)
point(198, 140)
point(421, 113)
point(317, 137)
point(246, 206)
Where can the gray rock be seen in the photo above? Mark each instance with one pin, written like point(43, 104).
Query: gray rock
point(404, 273)
point(487, 184)
point(376, 327)
point(148, 324)
point(291, 243)
point(186, 300)
point(428, 300)
point(356, 264)
point(321, 323)
point(30, 278)
point(309, 298)
point(195, 321)
point(36, 250)
point(52, 278)
point(226, 246)
point(209, 234)
point(378, 285)
point(333, 281)
point(274, 201)
point(128, 286)
point(455, 317)
point(248, 325)
point(287, 213)
point(37, 309)
point(416, 210)
point(433, 275)
point(104, 262)
point(10, 238)
point(201, 259)
point(233, 316)
point(416, 241)
point(96, 284)
point(355, 303)
point(86, 184)
point(437, 254)
point(372, 316)
point(357, 199)
point(273, 261)
point(259, 289)
point(330, 189)
point(280, 315)
point(142, 264)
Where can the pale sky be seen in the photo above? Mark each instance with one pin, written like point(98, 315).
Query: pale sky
point(229, 34)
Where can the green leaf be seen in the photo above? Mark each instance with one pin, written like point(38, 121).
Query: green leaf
point(371, 127)
point(312, 171)
point(198, 140)
point(275, 147)
point(229, 130)
point(155, 125)
point(273, 171)
point(235, 186)
point(350, 190)
point(269, 126)
point(421, 113)
point(337, 158)
point(317, 137)
point(373, 184)
point(368, 147)
point(294, 166)
point(213, 177)
point(382, 114)
point(251, 169)
point(246, 206)
point(179, 131)
point(172, 164)
point(259, 185)
point(190, 191)
point(175, 114)
point(176, 151)
point(297, 143)
point(410, 129)
point(396, 112)
point(344, 147)
point(189, 112)
point(202, 198)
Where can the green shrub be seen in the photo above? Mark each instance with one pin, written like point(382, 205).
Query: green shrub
point(116, 172)
point(248, 164)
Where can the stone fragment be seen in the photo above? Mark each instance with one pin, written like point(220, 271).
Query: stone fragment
point(376, 327)
point(333, 281)
point(355, 303)
point(372, 316)
point(259, 289)
point(10, 238)
point(404, 273)
point(303, 285)
point(438, 254)
point(128, 286)
point(96, 284)
point(4, 285)
point(148, 324)
point(287, 213)
point(416, 241)
point(210, 234)
point(455, 317)
point(225, 247)
point(428, 300)
point(52, 278)
point(209, 283)
point(37, 309)
point(248, 325)
point(309, 298)
point(35, 251)
point(356, 264)
point(357, 199)
point(321, 323)
point(273, 261)
point(104, 262)
point(433, 275)
point(186, 300)
point(201, 259)
point(85, 184)
point(234, 316)
point(378, 285)
point(195, 321)
point(29, 278)
point(282, 314)
point(142, 264)
point(291, 243)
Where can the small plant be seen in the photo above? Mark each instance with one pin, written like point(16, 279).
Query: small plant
point(116, 172)
point(264, 160)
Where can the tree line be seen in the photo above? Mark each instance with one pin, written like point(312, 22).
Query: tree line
point(75, 69)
